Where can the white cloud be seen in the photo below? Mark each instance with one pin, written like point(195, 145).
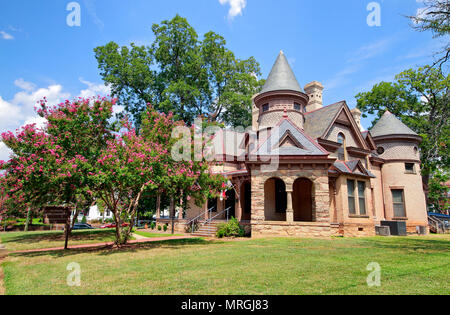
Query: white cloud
point(20, 110)
point(4, 152)
point(94, 89)
point(24, 85)
point(236, 7)
point(6, 36)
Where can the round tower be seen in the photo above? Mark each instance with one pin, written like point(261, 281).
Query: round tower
point(281, 97)
point(398, 146)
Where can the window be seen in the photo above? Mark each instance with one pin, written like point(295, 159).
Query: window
point(409, 168)
point(265, 108)
point(380, 150)
point(399, 203)
point(341, 150)
point(356, 194)
point(362, 198)
point(351, 196)
point(341, 138)
point(297, 107)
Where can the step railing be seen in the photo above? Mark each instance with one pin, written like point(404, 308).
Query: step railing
point(196, 219)
point(227, 211)
point(220, 213)
point(437, 225)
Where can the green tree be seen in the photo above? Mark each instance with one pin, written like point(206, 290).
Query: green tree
point(420, 98)
point(181, 74)
point(435, 17)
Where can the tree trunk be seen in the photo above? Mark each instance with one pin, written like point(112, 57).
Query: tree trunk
point(158, 206)
point(172, 213)
point(27, 222)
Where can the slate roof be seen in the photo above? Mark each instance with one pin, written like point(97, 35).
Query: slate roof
point(318, 121)
point(308, 147)
point(281, 77)
point(351, 167)
point(390, 125)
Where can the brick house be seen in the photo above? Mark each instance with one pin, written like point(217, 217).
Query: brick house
point(310, 170)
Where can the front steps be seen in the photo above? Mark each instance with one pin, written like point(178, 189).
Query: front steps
point(207, 230)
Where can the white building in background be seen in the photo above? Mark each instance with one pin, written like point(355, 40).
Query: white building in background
point(94, 214)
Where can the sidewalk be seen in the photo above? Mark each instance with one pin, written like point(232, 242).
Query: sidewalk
point(100, 245)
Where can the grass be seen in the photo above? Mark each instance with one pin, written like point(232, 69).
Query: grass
point(413, 265)
point(19, 241)
point(151, 235)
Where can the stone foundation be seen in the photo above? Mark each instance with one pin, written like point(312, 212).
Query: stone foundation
point(296, 229)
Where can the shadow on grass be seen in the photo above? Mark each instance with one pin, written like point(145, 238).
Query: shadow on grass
point(36, 237)
point(408, 243)
point(111, 250)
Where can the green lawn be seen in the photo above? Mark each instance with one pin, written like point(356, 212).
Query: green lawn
point(150, 235)
point(414, 265)
point(18, 241)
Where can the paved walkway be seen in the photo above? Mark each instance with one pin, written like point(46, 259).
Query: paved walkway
point(99, 245)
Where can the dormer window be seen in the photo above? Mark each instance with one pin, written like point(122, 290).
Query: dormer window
point(297, 107)
point(265, 108)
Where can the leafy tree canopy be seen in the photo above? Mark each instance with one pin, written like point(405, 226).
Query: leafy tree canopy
point(420, 98)
point(181, 74)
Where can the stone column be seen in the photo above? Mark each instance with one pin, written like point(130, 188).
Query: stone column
point(238, 207)
point(289, 209)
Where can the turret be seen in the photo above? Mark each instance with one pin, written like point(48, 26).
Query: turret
point(281, 96)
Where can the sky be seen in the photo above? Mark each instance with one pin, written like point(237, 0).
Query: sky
point(344, 45)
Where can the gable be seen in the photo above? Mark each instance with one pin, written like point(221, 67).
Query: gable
point(346, 124)
point(288, 140)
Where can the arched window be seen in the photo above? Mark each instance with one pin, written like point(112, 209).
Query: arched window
point(341, 138)
point(341, 151)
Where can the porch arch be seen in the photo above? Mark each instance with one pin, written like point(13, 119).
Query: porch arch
point(302, 200)
point(275, 200)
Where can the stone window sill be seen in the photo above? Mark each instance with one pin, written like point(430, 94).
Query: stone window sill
point(355, 216)
point(400, 219)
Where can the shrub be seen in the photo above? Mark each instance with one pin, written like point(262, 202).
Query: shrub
point(159, 228)
point(230, 229)
point(152, 225)
point(84, 220)
point(165, 227)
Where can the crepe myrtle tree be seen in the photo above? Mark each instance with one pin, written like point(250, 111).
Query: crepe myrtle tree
point(81, 129)
point(124, 171)
point(50, 165)
point(187, 178)
point(31, 171)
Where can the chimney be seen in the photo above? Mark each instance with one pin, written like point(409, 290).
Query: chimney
point(357, 116)
point(314, 90)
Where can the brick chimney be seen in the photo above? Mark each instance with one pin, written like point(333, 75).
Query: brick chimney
point(357, 116)
point(314, 90)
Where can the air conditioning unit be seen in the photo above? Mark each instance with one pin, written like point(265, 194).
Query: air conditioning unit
point(398, 228)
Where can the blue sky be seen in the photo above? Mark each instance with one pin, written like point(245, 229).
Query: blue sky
point(328, 41)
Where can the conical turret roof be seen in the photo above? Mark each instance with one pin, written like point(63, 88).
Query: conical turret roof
point(390, 125)
point(281, 77)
